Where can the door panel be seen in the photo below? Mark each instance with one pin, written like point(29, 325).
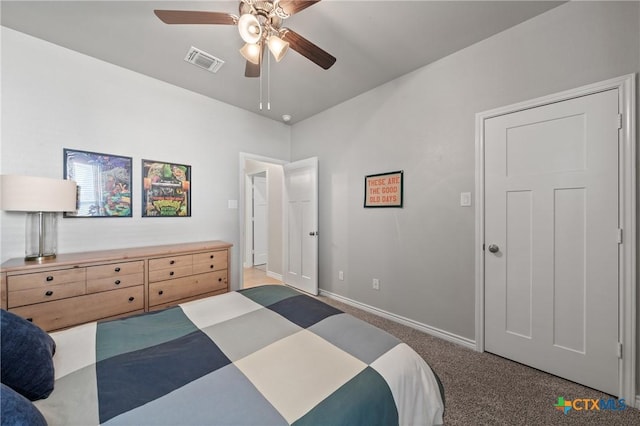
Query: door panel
point(301, 224)
point(518, 278)
point(569, 261)
point(551, 206)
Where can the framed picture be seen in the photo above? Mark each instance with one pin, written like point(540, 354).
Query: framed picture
point(166, 189)
point(383, 190)
point(104, 183)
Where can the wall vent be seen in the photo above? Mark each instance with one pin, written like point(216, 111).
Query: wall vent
point(203, 60)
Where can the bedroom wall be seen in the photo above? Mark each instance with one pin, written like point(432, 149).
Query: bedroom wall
point(423, 123)
point(54, 98)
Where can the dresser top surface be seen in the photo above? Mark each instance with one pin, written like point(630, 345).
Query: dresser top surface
point(71, 259)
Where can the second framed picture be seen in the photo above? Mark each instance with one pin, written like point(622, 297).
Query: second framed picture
point(166, 189)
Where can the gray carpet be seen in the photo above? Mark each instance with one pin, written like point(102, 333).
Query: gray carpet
point(484, 389)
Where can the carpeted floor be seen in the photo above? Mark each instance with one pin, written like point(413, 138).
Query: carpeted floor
point(484, 389)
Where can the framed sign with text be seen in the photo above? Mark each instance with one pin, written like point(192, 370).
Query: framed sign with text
point(383, 190)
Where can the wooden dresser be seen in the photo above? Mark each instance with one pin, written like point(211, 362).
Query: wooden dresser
point(76, 288)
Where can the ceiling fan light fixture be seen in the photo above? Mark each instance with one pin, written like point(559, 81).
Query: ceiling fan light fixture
point(251, 53)
point(277, 47)
point(249, 28)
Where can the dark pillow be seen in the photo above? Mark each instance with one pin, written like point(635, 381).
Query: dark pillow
point(16, 410)
point(26, 357)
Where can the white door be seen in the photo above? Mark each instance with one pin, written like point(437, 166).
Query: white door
point(551, 237)
point(260, 247)
point(301, 225)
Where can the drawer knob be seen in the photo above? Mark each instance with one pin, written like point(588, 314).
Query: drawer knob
point(50, 278)
point(211, 266)
point(49, 293)
point(219, 279)
point(117, 269)
point(131, 299)
point(211, 257)
point(161, 292)
point(117, 282)
point(171, 273)
point(172, 262)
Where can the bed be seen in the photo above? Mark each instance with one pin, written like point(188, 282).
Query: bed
point(267, 355)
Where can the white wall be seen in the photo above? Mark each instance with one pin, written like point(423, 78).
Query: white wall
point(423, 123)
point(54, 98)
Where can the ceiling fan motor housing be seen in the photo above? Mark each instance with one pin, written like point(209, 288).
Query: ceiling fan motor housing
point(270, 17)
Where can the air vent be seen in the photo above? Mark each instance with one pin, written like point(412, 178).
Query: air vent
point(203, 60)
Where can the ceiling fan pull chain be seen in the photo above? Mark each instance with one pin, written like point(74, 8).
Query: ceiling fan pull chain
point(260, 65)
point(268, 81)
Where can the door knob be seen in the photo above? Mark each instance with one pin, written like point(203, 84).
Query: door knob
point(494, 248)
point(313, 233)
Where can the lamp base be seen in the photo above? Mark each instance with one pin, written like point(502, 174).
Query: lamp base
point(39, 258)
point(41, 236)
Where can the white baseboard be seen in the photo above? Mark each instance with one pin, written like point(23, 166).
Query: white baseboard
point(445, 335)
point(637, 402)
point(274, 275)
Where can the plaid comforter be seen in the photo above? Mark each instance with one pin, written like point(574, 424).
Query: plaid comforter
point(262, 356)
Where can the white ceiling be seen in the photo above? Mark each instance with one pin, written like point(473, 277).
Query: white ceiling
point(374, 42)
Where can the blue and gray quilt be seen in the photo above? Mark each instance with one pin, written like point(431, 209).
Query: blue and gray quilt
point(262, 356)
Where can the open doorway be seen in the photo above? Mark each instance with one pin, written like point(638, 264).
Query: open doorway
point(292, 220)
point(261, 239)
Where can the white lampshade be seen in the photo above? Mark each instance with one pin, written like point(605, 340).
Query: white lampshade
point(249, 28)
point(251, 53)
point(37, 194)
point(278, 47)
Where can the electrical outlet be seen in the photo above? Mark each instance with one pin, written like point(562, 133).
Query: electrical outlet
point(341, 275)
point(376, 284)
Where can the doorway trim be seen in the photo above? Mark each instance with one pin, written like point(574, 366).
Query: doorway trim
point(626, 86)
point(243, 156)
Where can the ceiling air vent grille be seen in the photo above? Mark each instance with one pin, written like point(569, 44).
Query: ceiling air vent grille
point(203, 60)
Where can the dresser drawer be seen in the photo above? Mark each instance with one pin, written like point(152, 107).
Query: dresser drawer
point(188, 299)
point(209, 262)
point(201, 268)
point(112, 283)
point(45, 294)
point(91, 307)
point(169, 274)
point(40, 279)
point(114, 270)
point(170, 262)
point(168, 291)
point(219, 256)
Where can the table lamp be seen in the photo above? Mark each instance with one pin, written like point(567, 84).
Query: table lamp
point(42, 199)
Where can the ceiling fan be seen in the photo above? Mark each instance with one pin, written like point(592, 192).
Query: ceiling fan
point(260, 25)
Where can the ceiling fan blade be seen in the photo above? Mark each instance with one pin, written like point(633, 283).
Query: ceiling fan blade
point(307, 49)
point(295, 6)
point(195, 17)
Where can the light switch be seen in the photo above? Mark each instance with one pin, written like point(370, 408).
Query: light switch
point(465, 199)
